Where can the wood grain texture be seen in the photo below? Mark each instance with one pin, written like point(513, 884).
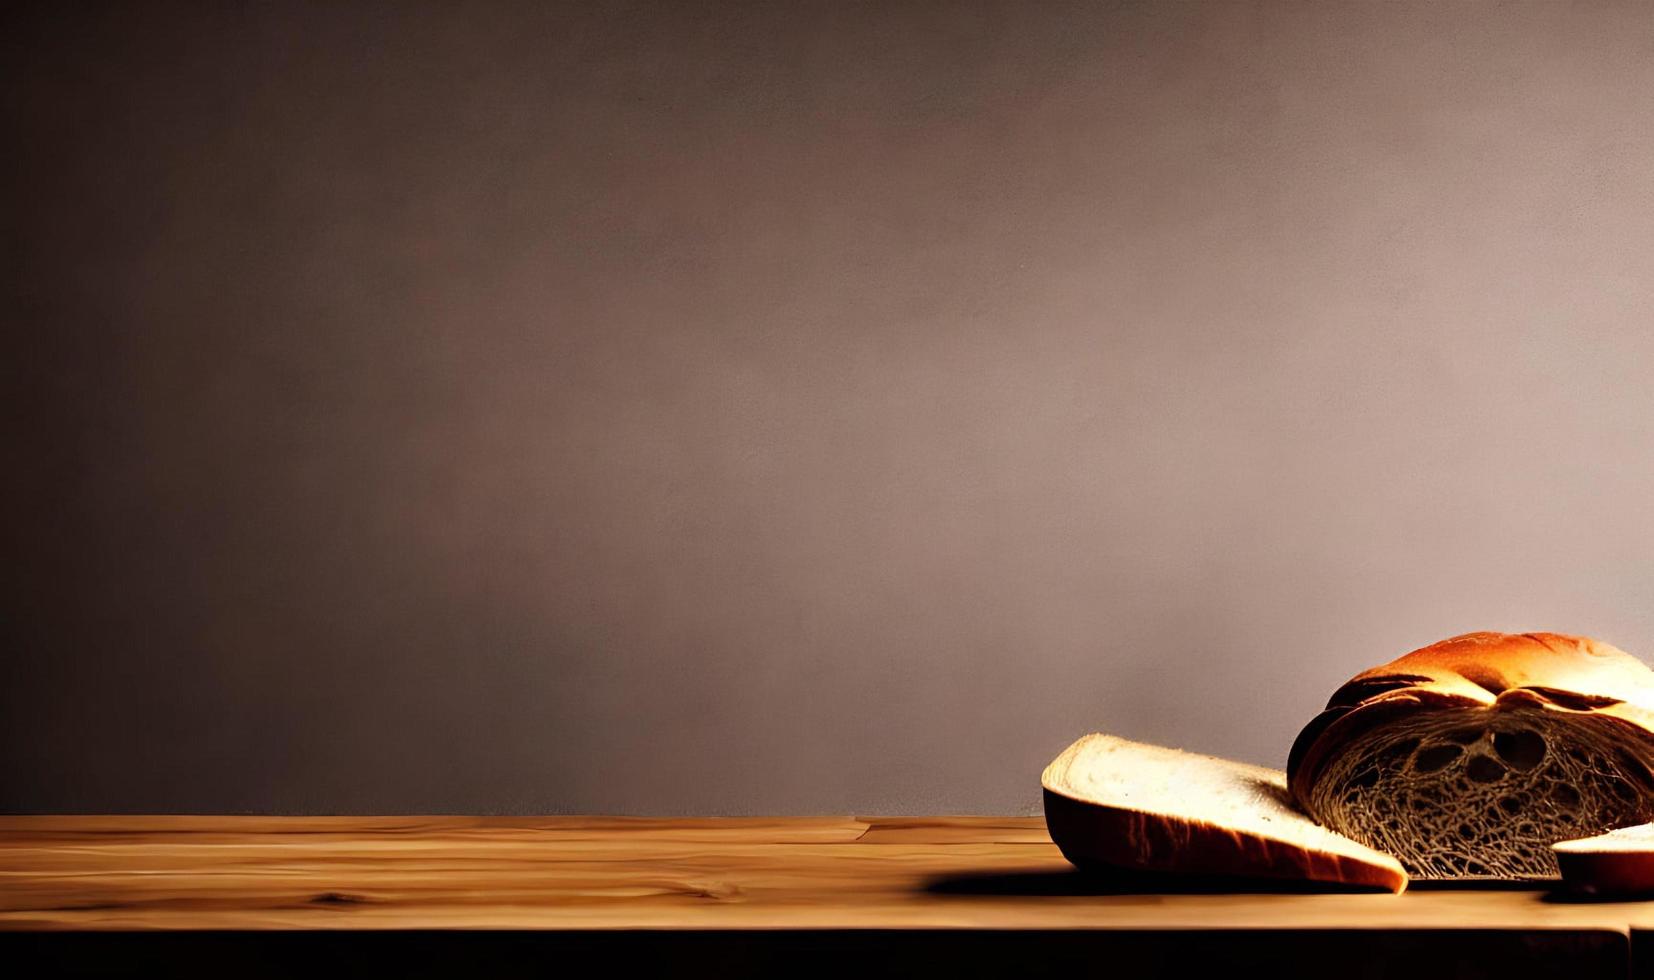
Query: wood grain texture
point(617, 873)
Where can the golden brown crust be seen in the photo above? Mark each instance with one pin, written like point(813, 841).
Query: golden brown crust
point(1480, 666)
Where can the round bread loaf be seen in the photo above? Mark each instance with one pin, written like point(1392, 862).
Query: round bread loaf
point(1470, 757)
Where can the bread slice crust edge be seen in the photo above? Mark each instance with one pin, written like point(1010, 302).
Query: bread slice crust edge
point(1093, 834)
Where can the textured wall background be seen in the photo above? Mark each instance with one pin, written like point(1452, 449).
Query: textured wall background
point(794, 407)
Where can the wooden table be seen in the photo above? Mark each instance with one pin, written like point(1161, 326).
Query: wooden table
point(746, 896)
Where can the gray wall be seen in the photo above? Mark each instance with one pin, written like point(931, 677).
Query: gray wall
point(796, 407)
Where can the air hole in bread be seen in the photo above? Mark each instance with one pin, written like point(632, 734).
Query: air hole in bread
point(1484, 769)
point(1436, 757)
point(1522, 749)
point(1401, 751)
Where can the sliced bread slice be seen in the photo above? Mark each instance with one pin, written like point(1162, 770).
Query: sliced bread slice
point(1118, 803)
point(1620, 862)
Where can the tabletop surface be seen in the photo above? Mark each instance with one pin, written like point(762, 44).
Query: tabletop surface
point(604, 873)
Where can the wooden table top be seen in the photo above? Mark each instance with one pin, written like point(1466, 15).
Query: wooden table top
point(601, 873)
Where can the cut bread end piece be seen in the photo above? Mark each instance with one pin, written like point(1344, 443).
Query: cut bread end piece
point(1114, 802)
point(1467, 759)
point(1620, 862)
